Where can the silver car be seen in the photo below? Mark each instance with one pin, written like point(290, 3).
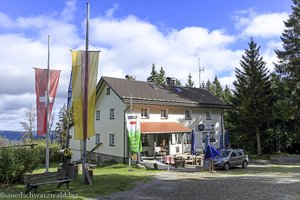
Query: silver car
point(231, 158)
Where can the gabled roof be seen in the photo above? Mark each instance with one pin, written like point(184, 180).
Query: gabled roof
point(156, 94)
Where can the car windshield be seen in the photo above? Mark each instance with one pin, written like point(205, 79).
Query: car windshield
point(225, 153)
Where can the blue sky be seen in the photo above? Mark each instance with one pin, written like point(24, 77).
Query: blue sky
point(131, 34)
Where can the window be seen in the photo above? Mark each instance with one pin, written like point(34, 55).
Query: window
point(188, 114)
point(112, 113)
point(176, 138)
point(144, 112)
point(212, 136)
point(204, 135)
point(97, 138)
point(233, 154)
point(188, 138)
point(98, 115)
point(208, 115)
point(111, 139)
point(163, 114)
point(145, 141)
point(107, 91)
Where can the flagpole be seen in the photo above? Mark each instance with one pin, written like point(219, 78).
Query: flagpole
point(85, 101)
point(129, 153)
point(47, 107)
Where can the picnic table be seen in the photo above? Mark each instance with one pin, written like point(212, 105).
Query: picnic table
point(183, 159)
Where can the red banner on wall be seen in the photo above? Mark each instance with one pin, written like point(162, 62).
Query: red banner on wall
point(41, 96)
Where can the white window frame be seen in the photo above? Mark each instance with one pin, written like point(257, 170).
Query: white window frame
point(212, 136)
point(188, 138)
point(143, 113)
point(189, 116)
point(97, 138)
point(164, 113)
point(111, 113)
point(176, 138)
point(98, 113)
point(111, 139)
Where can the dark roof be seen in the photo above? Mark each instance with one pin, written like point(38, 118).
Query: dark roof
point(156, 94)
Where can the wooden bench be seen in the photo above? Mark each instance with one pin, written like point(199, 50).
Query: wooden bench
point(32, 181)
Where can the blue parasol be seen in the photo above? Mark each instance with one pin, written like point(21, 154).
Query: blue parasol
point(211, 152)
point(221, 141)
point(193, 143)
point(226, 139)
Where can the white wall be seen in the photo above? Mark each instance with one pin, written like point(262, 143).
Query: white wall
point(177, 114)
point(106, 126)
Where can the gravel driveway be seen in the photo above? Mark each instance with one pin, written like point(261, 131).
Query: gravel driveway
point(260, 181)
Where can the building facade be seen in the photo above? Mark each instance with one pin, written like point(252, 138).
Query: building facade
point(168, 115)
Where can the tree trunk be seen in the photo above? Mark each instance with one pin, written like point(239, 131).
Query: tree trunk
point(258, 142)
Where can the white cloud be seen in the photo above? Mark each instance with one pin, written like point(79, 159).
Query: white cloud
point(5, 21)
point(133, 45)
point(110, 12)
point(260, 25)
point(69, 11)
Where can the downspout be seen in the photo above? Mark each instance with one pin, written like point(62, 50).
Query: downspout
point(124, 129)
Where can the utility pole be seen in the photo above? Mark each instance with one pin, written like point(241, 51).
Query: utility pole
point(200, 70)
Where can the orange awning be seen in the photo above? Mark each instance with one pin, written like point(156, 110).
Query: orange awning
point(163, 127)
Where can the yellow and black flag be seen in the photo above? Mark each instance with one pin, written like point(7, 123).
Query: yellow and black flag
point(78, 80)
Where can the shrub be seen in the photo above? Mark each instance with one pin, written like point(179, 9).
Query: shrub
point(3, 141)
point(15, 162)
point(54, 151)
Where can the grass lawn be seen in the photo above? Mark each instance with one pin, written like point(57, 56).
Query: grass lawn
point(107, 180)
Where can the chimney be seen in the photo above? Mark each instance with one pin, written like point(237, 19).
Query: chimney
point(170, 80)
point(129, 77)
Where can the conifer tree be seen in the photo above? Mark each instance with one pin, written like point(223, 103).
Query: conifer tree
point(154, 75)
point(190, 82)
point(209, 86)
point(287, 80)
point(217, 88)
point(177, 82)
point(252, 98)
point(161, 77)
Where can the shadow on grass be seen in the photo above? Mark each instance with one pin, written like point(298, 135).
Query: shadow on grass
point(105, 182)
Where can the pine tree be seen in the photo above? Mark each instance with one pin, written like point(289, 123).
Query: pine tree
point(190, 82)
point(209, 86)
point(252, 98)
point(161, 77)
point(217, 88)
point(287, 78)
point(177, 82)
point(227, 94)
point(154, 75)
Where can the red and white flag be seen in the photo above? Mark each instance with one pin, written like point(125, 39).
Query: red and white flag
point(41, 96)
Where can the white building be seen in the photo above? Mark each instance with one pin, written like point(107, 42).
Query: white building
point(169, 113)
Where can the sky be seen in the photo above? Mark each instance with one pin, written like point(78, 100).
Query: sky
point(131, 35)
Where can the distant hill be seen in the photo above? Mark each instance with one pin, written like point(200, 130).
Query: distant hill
point(17, 135)
point(11, 135)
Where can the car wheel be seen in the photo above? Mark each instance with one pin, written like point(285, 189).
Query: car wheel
point(227, 166)
point(245, 164)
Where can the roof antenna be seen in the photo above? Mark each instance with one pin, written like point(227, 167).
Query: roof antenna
point(200, 69)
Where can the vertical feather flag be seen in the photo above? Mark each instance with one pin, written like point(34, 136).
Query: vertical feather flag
point(41, 96)
point(133, 124)
point(78, 79)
